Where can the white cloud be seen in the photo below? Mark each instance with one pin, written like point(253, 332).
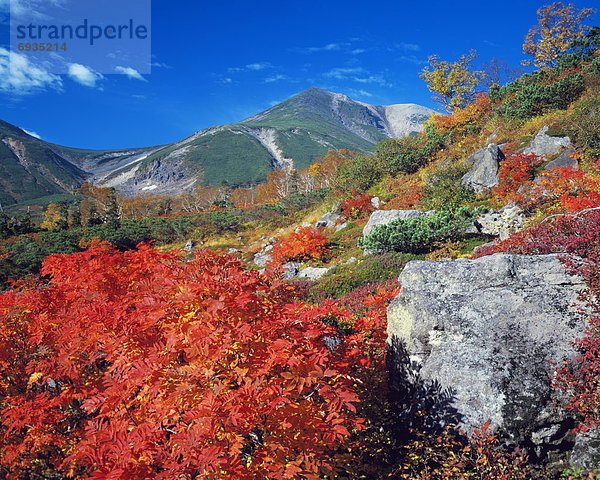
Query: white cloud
point(18, 75)
point(356, 74)
point(357, 51)
point(275, 78)
point(84, 75)
point(344, 73)
point(33, 134)
point(360, 93)
point(160, 65)
point(131, 73)
point(330, 47)
point(409, 47)
point(254, 67)
point(258, 66)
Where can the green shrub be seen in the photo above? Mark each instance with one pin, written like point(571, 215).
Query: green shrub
point(343, 279)
point(586, 120)
point(418, 235)
point(360, 173)
point(444, 191)
point(523, 99)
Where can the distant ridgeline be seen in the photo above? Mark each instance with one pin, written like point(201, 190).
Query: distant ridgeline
point(292, 133)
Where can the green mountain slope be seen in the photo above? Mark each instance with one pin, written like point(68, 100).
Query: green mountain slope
point(291, 134)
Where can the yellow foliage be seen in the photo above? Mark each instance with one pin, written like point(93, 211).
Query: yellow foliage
point(52, 217)
point(453, 83)
point(558, 26)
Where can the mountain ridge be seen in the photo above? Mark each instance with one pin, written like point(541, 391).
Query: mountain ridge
point(292, 133)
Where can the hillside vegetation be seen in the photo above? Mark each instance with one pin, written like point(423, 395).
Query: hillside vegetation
point(240, 333)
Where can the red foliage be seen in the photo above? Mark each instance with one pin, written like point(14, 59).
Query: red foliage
point(357, 205)
point(516, 170)
point(143, 365)
point(306, 243)
point(569, 189)
point(579, 236)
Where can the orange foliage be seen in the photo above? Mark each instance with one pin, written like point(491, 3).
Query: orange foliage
point(408, 192)
point(306, 243)
point(466, 116)
point(516, 172)
point(144, 365)
point(357, 205)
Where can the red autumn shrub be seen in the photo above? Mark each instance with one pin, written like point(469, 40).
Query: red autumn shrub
point(306, 243)
point(516, 170)
point(570, 190)
point(578, 235)
point(143, 365)
point(357, 205)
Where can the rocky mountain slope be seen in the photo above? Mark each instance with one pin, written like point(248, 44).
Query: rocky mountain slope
point(292, 133)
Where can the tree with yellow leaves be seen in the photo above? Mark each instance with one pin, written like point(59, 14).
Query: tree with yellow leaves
point(558, 26)
point(454, 84)
point(54, 217)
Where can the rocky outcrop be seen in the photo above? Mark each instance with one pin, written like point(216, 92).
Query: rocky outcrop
point(329, 220)
point(263, 257)
point(487, 332)
point(313, 273)
point(501, 223)
point(484, 164)
point(383, 217)
point(563, 160)
point(544, 145)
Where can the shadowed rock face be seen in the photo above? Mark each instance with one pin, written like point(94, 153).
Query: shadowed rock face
point(485, 164)
point(486, 331)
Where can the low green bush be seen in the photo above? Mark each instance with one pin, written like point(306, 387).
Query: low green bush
point(374, 269)
point(444, 190)
point(418, 235)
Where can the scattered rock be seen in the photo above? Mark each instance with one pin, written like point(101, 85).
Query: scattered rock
point(234, 251)
point(486, 332)
point(484, 171)
point(351, 260)
point(262, 258)
point(313, 273)
point(341, 226)
point(291, 269)
point(383, 217)
point(501, 223)
point(376, 202)
point(328, 220)
point(545, 145)
point(189, 245)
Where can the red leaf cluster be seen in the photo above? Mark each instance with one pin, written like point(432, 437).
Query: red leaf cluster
point(304, 244)
point(357, 205)
point(146, 365)
point(516, 171)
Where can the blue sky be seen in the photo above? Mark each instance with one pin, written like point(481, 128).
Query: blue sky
point(220, 62)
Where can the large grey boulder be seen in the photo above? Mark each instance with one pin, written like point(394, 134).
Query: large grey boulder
point(488, 332)
point(383, 217)
point(544, 145)
point(501, 223)
point(485, 164)
point(564, 160)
